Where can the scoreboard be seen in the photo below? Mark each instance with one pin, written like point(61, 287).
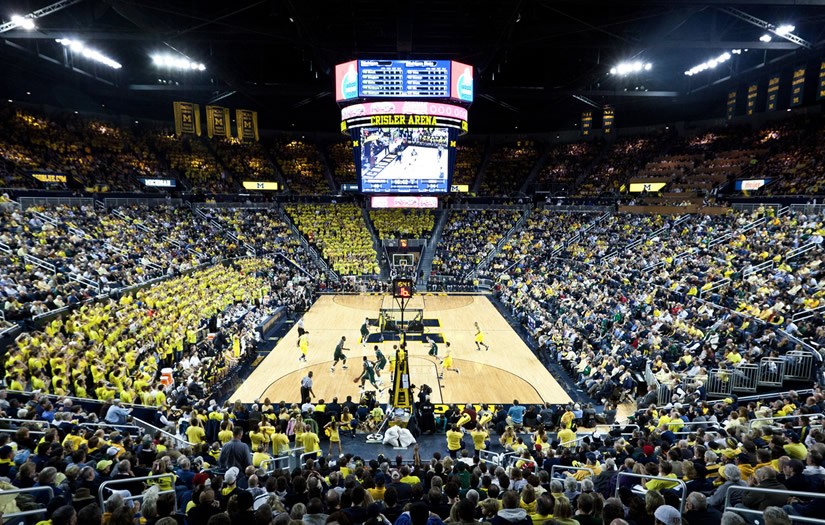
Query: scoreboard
point(403, 79)
point(404, 117)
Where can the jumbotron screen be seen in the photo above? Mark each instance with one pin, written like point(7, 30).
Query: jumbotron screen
point(404, 160)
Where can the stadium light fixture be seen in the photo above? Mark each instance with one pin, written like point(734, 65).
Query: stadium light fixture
point(765, 38)
point(80, 48)
point(712, 63)
point(177, 62)
point(784, 29)
point(626, 68)
point(23, 22)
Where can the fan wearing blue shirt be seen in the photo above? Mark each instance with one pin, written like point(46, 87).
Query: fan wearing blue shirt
point(516, 413)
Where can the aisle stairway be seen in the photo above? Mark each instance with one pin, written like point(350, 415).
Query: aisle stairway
point(428, 254)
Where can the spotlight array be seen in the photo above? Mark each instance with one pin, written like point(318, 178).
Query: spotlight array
point(713, 62)
point(626, 68)
point(92, 54)
point(784, 29)
point(23, 22)
point(177, 62)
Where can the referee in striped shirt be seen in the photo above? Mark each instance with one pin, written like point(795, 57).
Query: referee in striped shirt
point(306, 389)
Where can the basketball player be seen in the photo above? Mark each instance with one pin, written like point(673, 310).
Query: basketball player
point(433, 348)
point(339, 354)
point(365, 332)
point(300, 325)
point(447, 364)
point(303, 345)
point(480, 338)
point(368, 374)
point(380, 361)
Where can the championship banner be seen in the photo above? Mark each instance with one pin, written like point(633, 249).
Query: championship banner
point(217, 122)
point(820, 94)
point(731, 109)
point(247, 124)
point(797, 86)
point(773, 93)
point(607, 122)
point(587, 123)
point(753, 91)
point(187, 118)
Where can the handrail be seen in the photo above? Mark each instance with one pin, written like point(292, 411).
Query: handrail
point(556, 468)
point(812, 417)
point(41, 423)
point(741, 488)
point(111, 482)
point(140, 430)
point(39, 433)
point(178, 441)
point(22, 513)
point(643, 476)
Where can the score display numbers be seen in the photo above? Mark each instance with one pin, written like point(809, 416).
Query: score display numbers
point(402, 288)
point(403, 79)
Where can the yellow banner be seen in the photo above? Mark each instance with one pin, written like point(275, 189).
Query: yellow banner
point(460, 188)
point(187, 118)
point(607, 122)
point(587, 123)
point(247, 121)
point(797, 86)
point(217, 122)
point(50, 177)
point(639, 187)
point(260, 185)
point(753, 92)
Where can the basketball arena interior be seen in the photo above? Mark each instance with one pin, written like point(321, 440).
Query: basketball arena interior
point(411, 263)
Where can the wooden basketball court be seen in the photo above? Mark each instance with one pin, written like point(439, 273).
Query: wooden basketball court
point(508, 371)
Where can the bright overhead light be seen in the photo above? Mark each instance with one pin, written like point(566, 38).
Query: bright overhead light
point(784, 29)
point(176, 62)
point(626, 68)
point(765, 38)
point(92, 54)
point(712, 63)
point(22, 22)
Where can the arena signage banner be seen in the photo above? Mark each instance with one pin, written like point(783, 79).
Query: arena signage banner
point(261, 185)
point(587, 123)
point(460, 188)
point(820, 94)
point(217, 122)
point(731, 107)
point(753, 92)
point(797, 86)
point(48, 177)
point(608, 120)
point(404, 113)
point(159, 183)
point(750, 184)
point(639, 187)
point(773, 93)
point(404, 202)
point(187, 118)
point(247, 122)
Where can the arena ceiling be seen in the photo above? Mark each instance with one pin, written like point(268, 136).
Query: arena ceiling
point(539, 63)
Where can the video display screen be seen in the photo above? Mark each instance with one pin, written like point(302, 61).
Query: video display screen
point(404, 160)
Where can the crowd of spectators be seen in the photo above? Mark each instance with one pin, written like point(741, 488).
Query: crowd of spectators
point(343, 162)
point(340, 234)
point(302, 167)
point(508, 168)
point(247, 160)
point(565, 164)
point(402, 224)
point(189, 158)
point(468, 236)
point(467, 162)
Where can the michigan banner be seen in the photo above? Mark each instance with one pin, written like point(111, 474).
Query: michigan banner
point(187, 118)
point(608, 120)
point(587, 123)
point(247, 124)
point(217, 122)
point(731, 106)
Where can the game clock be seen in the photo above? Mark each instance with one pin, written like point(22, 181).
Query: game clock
point(402, 288)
